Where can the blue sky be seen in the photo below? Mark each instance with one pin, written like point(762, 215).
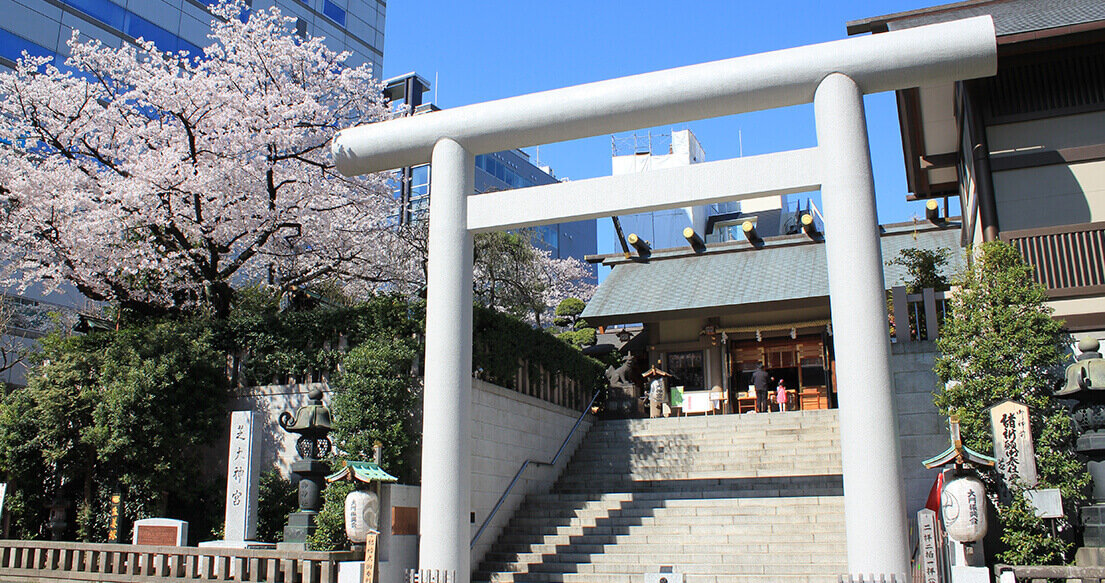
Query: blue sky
point(479, 51)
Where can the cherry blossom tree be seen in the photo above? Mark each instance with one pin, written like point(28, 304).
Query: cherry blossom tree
point(513, 276)
point(158, 180)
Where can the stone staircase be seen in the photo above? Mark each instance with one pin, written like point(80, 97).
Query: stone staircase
point(721, 499)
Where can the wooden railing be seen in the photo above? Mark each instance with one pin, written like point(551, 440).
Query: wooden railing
point(918, 316)
point(557, 389)
point(1068, 260)
point(110, 563)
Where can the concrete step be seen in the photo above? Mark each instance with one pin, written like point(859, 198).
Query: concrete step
point(723, 435)
point(769, 485)
point(617, 453)
point(554, 544)
point(704, 514)
point(719, 498)
point(661, 554)
point(826, 460)
point(774, 575)
point(747, 560)
point(691, 422)
point(590, 530)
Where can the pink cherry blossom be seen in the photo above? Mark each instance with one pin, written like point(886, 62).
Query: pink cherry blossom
point(161, 179)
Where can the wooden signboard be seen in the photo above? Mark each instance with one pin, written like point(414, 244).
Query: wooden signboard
point(928, 542)
point(369, 573)
point(404, 520)
point(1012, 435)
point(113, 524)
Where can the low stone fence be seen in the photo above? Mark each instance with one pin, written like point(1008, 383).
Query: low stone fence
point(48, 562)
point(1043, 574)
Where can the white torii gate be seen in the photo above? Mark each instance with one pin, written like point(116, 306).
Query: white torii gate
point(834, 76)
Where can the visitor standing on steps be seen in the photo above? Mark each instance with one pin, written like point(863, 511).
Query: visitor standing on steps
point(761, 380)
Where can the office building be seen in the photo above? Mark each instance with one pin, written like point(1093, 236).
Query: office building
point(43, 27)
point(715, 223)
point(495, 171)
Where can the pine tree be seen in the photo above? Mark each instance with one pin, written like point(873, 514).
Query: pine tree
point(1000, 342)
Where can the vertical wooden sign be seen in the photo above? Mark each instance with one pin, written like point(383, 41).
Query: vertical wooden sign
point(4, 515)
point(927, 540)
point(1012, 436)
point(369, 573)
point(113, 524)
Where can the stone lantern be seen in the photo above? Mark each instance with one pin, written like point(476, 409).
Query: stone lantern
point(312, 423)
point(57, 521)
point(1086, 385)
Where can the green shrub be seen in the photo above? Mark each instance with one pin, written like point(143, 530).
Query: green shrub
point(277, 497)
point(376, 398)
point(501, 343)
point(124, 410)
point(330, 534)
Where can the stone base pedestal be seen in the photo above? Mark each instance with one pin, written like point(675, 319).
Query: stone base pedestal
point(350, 571)
point(300, 526)
point(1093, 522)
point(1090, 557)
point(970, 574)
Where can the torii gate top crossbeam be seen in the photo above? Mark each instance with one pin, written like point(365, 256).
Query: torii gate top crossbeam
point(938, 53)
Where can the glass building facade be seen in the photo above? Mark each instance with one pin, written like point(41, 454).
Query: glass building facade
point(503, 171)
point(43, 27)
point(495, 171)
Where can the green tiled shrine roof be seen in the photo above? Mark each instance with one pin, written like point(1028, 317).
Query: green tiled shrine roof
point(361, 472)
point(735, 274)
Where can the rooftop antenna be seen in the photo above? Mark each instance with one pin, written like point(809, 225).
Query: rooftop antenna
point(435, 88)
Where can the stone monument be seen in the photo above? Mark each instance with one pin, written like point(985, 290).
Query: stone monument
point(160, 532)
point(621, 400)
point(242, 478)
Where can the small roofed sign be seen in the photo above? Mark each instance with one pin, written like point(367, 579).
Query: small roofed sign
point(1013, 448)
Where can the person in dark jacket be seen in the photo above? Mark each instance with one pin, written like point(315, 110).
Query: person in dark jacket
point(762, 381)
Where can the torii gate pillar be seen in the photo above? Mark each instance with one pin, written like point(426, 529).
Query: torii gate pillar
point(874, 501)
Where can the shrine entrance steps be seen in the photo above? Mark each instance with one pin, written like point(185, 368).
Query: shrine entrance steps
point(721, 499)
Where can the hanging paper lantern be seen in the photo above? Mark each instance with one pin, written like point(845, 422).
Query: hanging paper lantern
point(362, 511)
point(963, 507)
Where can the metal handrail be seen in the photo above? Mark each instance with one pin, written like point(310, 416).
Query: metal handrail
point(526, 464)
